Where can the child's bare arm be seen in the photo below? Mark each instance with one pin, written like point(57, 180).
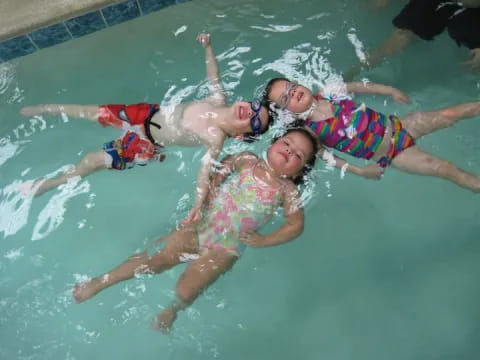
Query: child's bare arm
point(228, 165)
point(371, 171)
point(372, 88)
point(213, 74)
point(292, 228)
point(203, 181)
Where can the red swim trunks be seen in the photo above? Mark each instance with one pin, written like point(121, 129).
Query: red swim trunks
point(118, 116)
point(136, 146)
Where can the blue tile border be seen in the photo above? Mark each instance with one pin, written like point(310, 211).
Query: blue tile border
point(149, 6)
point(51, 35)
point(19, 46)
point(86, 24)
point(79, 26)
point(118, 13)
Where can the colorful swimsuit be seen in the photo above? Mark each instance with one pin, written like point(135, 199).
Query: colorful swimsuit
point(137, 146)
point(241, 205)
point(359, 130)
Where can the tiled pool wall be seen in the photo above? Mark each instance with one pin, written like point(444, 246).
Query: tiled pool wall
point(79, 26)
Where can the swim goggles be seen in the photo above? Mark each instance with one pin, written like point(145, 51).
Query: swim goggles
point(255, 122)
point(285, 98)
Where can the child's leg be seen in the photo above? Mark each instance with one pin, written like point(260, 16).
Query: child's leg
point(422, 123)
point(89, 112)
point(91, 162)
point(177, 243)
point(197, 277)
point(416, 161)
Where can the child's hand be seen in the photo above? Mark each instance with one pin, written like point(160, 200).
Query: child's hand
point(474, 63)
point(204, 39)
point(251, 238)
point(400, 97)
point(194, 216)
point(372, 171)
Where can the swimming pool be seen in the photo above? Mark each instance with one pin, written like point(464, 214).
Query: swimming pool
point(384, 270)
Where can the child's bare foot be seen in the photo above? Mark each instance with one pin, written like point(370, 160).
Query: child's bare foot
point(31, 110)
point(32, 187)
point(163, 322)
point(87, 289)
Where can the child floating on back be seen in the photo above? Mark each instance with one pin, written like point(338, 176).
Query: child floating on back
point(149, 127)
point(247, 191)
point(365, 133)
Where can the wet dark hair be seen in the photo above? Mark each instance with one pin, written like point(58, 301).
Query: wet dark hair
point(300, 178)
point(268, 90)
point(250, 136)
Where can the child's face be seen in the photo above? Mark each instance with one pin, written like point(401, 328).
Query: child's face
point(291, 96)
point(289, 154)
point(250, 117)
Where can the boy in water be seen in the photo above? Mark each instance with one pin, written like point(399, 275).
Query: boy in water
point(148, 128)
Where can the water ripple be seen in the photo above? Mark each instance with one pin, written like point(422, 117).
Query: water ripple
point(17, 206)
point(278, 28)
point(52, 215)
point(7, 74)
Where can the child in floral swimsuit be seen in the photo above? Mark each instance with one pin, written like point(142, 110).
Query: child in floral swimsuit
point(252, 190)
point(365, 133)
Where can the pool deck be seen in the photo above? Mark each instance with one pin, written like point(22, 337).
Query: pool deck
point(27, 26)
point(18, 17)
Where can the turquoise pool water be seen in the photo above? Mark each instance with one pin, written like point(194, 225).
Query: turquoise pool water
point(384, 270)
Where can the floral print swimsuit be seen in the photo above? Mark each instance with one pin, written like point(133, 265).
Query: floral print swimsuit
point(241, 205)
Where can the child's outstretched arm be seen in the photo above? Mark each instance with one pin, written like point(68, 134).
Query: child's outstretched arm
point(203, 181)
point(372, 171)
point(372, 88)
point(292, 228)
point(213, 74)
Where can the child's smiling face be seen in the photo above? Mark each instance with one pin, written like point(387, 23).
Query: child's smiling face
point(246, 117)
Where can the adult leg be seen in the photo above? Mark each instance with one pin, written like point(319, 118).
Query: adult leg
point(177, 244)
point(90, 163)
point(416, 161)
point(395, 43)
point(422, 123)
point(89, 112)
point(200, 274)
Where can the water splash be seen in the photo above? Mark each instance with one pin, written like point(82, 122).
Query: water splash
point(52, 216)
point(180, 30)
point(358, 45)
point(303, 63)
point(14, 254)
point(9, 149)
point(7, 75)
point(278, 28)
point(15, 208)
point(36, 123)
